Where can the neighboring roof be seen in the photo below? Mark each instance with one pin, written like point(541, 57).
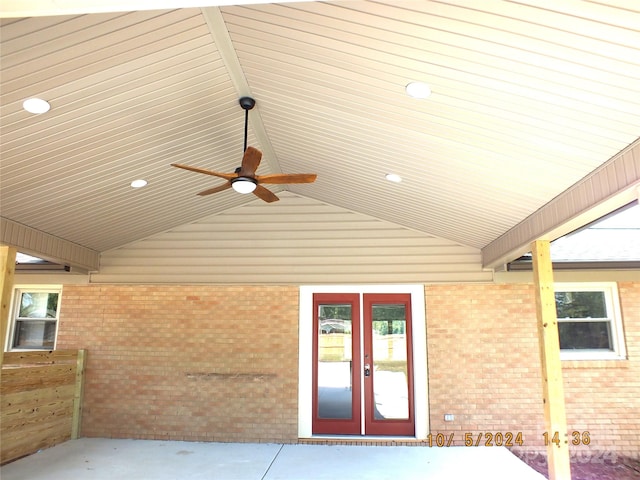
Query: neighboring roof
point(597, 245)
point(613, 241)
point(615, 238)
point(527, 101)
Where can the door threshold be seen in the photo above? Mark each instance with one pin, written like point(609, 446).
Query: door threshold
point(373, 440)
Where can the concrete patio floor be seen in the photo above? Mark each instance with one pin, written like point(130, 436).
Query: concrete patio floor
point(109, 459)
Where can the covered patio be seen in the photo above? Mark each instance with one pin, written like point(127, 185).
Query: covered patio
point(97, 459)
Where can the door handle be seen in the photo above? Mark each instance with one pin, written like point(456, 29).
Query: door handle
point(367, 370)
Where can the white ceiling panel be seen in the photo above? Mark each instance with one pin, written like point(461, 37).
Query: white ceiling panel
point(527, 99)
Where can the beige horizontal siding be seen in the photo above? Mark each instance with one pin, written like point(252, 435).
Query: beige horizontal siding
point(295, 241)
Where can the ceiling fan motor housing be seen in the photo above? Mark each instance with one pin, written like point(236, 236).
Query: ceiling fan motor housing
point(247, 103)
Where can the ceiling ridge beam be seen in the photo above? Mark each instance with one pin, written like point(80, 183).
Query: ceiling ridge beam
point(612, 185)
point(46, 246)
point(224, 44)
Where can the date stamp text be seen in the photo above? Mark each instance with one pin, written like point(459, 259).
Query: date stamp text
point(484, 439)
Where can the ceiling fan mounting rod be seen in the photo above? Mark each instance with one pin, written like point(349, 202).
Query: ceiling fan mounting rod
point(247, 103)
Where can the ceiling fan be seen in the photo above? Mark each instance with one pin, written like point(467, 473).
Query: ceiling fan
point(244, 179)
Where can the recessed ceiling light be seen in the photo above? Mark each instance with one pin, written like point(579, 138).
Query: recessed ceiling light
point(393, 177)
point(138, 183)
point(36, 105)
point(418, 90)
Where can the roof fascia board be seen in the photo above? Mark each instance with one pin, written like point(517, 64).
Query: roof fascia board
point(527, 266)
point(614, 184)
point(46, 246)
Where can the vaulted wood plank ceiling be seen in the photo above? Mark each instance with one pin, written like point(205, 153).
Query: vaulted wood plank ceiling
point(527, 99)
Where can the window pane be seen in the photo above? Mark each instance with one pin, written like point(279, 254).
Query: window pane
point(581, 305)
point(38, 305)
point(35, 334)
point(585, 335)
point(390, 382)
point(334, 362)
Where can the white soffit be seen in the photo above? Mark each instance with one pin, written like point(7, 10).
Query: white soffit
point(610, 187)
point(37, 8)
point(527, 101)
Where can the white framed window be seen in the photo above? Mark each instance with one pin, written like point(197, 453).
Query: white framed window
point(34, 318)
point(589, 321)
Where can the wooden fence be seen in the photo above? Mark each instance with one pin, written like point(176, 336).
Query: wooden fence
point(41, 400)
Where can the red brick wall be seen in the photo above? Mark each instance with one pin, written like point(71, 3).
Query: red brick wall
point(483, 361)
point(603, 397)
point(484, 368)
point(186, 362)
point(220, 364)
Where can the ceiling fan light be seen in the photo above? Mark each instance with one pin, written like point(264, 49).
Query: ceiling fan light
point(243, 184)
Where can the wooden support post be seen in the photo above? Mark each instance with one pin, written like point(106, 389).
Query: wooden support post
point(7, 269)
point(556, 435)
point(78, 395)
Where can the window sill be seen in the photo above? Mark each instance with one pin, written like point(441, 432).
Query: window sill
point(609, 363)
point(31, 349)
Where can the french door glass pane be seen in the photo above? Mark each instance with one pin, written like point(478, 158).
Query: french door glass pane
point(390, 383)
point(334, 361)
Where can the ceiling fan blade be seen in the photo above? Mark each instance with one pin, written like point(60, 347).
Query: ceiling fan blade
point(280, 178)
point(226, 176)
point(250, 162)
point(219, 188)
point(265, 194)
